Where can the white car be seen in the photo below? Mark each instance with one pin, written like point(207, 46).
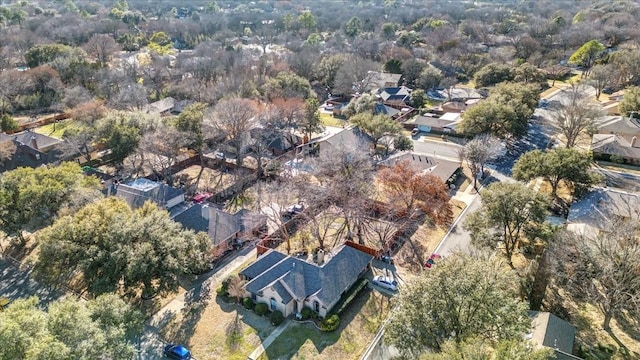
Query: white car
point(385, 282)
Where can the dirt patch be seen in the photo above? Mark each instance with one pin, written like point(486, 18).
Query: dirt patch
point(211, 180)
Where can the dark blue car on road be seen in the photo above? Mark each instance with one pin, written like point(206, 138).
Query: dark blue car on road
point(177, 352)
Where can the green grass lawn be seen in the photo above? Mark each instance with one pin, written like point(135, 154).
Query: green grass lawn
point(55, 130)
point(329, 120)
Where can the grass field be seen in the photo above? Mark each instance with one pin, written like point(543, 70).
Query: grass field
point(329, 120)
point(55, 130)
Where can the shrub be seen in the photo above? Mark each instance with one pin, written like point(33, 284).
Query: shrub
point(306, 313)
point(248, 303)
point(260, 309)
point(277, 318)
point(330, 324)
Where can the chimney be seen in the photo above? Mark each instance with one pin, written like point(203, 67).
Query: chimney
point(34, 144)
point(205, 211)
point(320, 260)
point(633, 141)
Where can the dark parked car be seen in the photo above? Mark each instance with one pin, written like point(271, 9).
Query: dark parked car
point(293, 210)
point(177, 352)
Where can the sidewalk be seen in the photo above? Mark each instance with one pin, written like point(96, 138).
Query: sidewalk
point(271, 338)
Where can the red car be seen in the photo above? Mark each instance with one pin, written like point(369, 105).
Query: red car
point(432, 260)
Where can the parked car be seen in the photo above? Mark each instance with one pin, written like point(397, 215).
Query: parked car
point(415, 132)
point(432, 260)
point(177, 352)
point(385, 282)
point(200, 198)
point(293, 210)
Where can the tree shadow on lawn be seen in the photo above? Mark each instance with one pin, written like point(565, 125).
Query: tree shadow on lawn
point(182, 325)
point(261, 324)
point(368, 309)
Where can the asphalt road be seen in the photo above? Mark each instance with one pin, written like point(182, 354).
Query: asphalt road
point(619, 179)
point(16, 282)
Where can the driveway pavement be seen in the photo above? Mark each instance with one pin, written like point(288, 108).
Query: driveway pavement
point(443, 149)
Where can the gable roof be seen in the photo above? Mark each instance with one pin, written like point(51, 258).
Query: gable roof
point(218, 224)
point(301, 279)
point(425, 164)
point(619, 125)
point(400, 93)
point(267, 260)
point(379, 80)
point(138, 191)
point(351, 137)
point(551, 331)
point(380, 108)
point(614, 144)
point(33, 140)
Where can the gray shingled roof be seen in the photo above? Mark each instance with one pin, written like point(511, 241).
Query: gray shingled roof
point(267, 260)
point(424, 163)
point(282, 292)
point(138, 191)
point(551, 331)
point(192, 219)
point(304, 279)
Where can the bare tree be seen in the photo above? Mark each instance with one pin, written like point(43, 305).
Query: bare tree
point(477, 152)
point(574, 113)
point(355, 75)
point(600, 77)
point(101, 47)
point(235, 118)
point(7, 149)
point(602, 269)
point(160, 149)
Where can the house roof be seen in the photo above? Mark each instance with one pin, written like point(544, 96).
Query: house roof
point(551, 331)
point(301, 279)
point(426, 164)
point(614, 144)
point(380, 108)
point(598, 208)
point(463, 93)
point(138, 191)
point(160, 106)
point(336, 137)
point(400, 93)
point(433, 122)
point(619, 125)
point(267, 260)
point(34, 140)
point(382, 79)
point(218, 224)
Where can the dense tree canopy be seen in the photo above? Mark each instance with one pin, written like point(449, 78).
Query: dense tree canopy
point(508, 210)
point(459, 299)
point(33, 197)
point(69, 329)
point(566, 165)
point(119, 249)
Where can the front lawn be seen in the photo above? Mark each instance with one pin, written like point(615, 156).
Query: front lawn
point(330, 120)
point(56, 130)
point(358, 326)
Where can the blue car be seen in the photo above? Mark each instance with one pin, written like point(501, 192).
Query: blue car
point(177, 352)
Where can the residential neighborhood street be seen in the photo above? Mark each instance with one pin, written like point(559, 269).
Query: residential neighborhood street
point(16, 282)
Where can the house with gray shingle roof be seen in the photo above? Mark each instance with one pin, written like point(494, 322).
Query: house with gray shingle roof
point(224, 229)
point(289, 284)
point(549, 331)
point(141, 190)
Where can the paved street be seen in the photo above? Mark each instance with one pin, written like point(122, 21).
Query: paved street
point(16, 282)
point(618, 179)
